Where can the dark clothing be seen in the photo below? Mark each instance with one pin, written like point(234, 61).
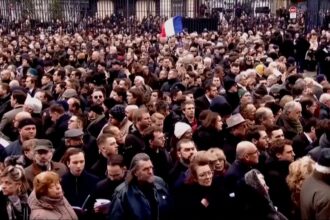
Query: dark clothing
point(235, 174)
point(324, 112)
point(77, 188)
point(5, 203)
point(276, 172)
point(229, 146)
point(301, 145)
point(201, 103)
point(105, 189)
point(56, 132)
point(161, 160)
point(95, 127)
point(188, 202)
point(255, 204)
point(131, 203)
point(14, 148)
point(177, 171)
point(99, 168)
point(206, 138)
point(4, 105)
point(134, 143)
point(289, 127)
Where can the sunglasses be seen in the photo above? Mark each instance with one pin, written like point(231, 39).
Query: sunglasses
point(98, 97)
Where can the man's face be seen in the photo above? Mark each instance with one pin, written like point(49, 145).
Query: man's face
point(235, 69)
point(40, 95)
point(116, 173)
point(54, 116)
point(269, 120)
point(253, 155)
point(76, 164)
point(189, 111)
point(159, 140)
point(145, 121)
point(213, 92)
point(73, 123)
point(28, 132)
point(263, 140)
point(98, 97)
point(287, 154)
point(277, 135)
point(186, 152)
point(216, 81)
point(145, 172)
point(110, 147)
point(295, 114)
point(43, 157)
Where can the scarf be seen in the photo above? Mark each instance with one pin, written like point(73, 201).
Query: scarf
point(296, 125)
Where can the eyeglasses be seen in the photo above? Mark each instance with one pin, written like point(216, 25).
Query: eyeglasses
point(254, 152)
point(98, 97)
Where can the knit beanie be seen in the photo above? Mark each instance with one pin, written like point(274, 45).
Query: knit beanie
point(180, 128)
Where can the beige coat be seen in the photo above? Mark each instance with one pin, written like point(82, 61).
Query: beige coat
point(46, 209)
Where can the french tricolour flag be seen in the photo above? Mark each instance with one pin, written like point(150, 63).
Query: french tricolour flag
point(172, 26)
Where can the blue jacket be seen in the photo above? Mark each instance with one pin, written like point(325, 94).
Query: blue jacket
point(129, 202)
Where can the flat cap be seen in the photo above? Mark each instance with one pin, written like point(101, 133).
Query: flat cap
point(73, 133)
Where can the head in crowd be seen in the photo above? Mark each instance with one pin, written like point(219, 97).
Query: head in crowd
point(47, 184)
point(185, 150)
point(141, 170)
point(116, 169)
point(13, 181)
point(282, 150)
point(299, 170)
point(247, 153)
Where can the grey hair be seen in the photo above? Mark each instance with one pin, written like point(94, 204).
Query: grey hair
point(135, 165)
point(289, 106)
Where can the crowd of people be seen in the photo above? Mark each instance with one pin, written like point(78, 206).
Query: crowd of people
point(215, 125)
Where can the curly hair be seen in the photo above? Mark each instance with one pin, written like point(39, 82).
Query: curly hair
point(299, 170)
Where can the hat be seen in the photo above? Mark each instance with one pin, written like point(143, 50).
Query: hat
point(234, 120)
point(118, 112)
point(33, 72)
point(73, 133)
point(43, 144)
point(180, 128)
point(324, 158)
point(229, 83)
point(260, 69)
point(33, 103)
point(25, 122)
point(69, 93)
point(98, 109)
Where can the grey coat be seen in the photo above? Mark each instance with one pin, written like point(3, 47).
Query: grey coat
point(315, 197)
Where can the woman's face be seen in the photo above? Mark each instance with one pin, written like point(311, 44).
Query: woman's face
point(312, 108)
point(219, 164)
point(154, 96)
point(219, 123)
point(55, 191)
point(9, 187)
point(204, 175)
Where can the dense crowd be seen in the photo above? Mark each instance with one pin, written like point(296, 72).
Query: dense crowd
point(228, 124)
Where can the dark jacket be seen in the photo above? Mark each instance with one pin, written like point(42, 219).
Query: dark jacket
point(176, 172)
point(187, 202)
point(324, 112)
point(105, 188)
point(56, 132)
point(134, 143)
point(76, 189)
point(4, 105)
point(201, 104)
point(95, 127)
point(301, 145)
point(130, 203)
point(206, 138)
point(24, 214)
point(14, 148)
point(288, 129)
point(235, 174)
point(276, 172)
point(229, 146)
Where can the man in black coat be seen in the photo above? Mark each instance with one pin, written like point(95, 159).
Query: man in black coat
point(204, 101)
point(276, 171)
point(77, 184)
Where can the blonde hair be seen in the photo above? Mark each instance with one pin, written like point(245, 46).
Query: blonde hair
point(43, 181)
point(299, 170)
point(17, 174)
point(28, 145)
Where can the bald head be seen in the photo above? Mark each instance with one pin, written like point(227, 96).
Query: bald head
point(20, 116)
point(247, 152)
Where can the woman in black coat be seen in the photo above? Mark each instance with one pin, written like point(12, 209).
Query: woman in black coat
point(209, 133)
point(13, 195)
point(198, 198)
